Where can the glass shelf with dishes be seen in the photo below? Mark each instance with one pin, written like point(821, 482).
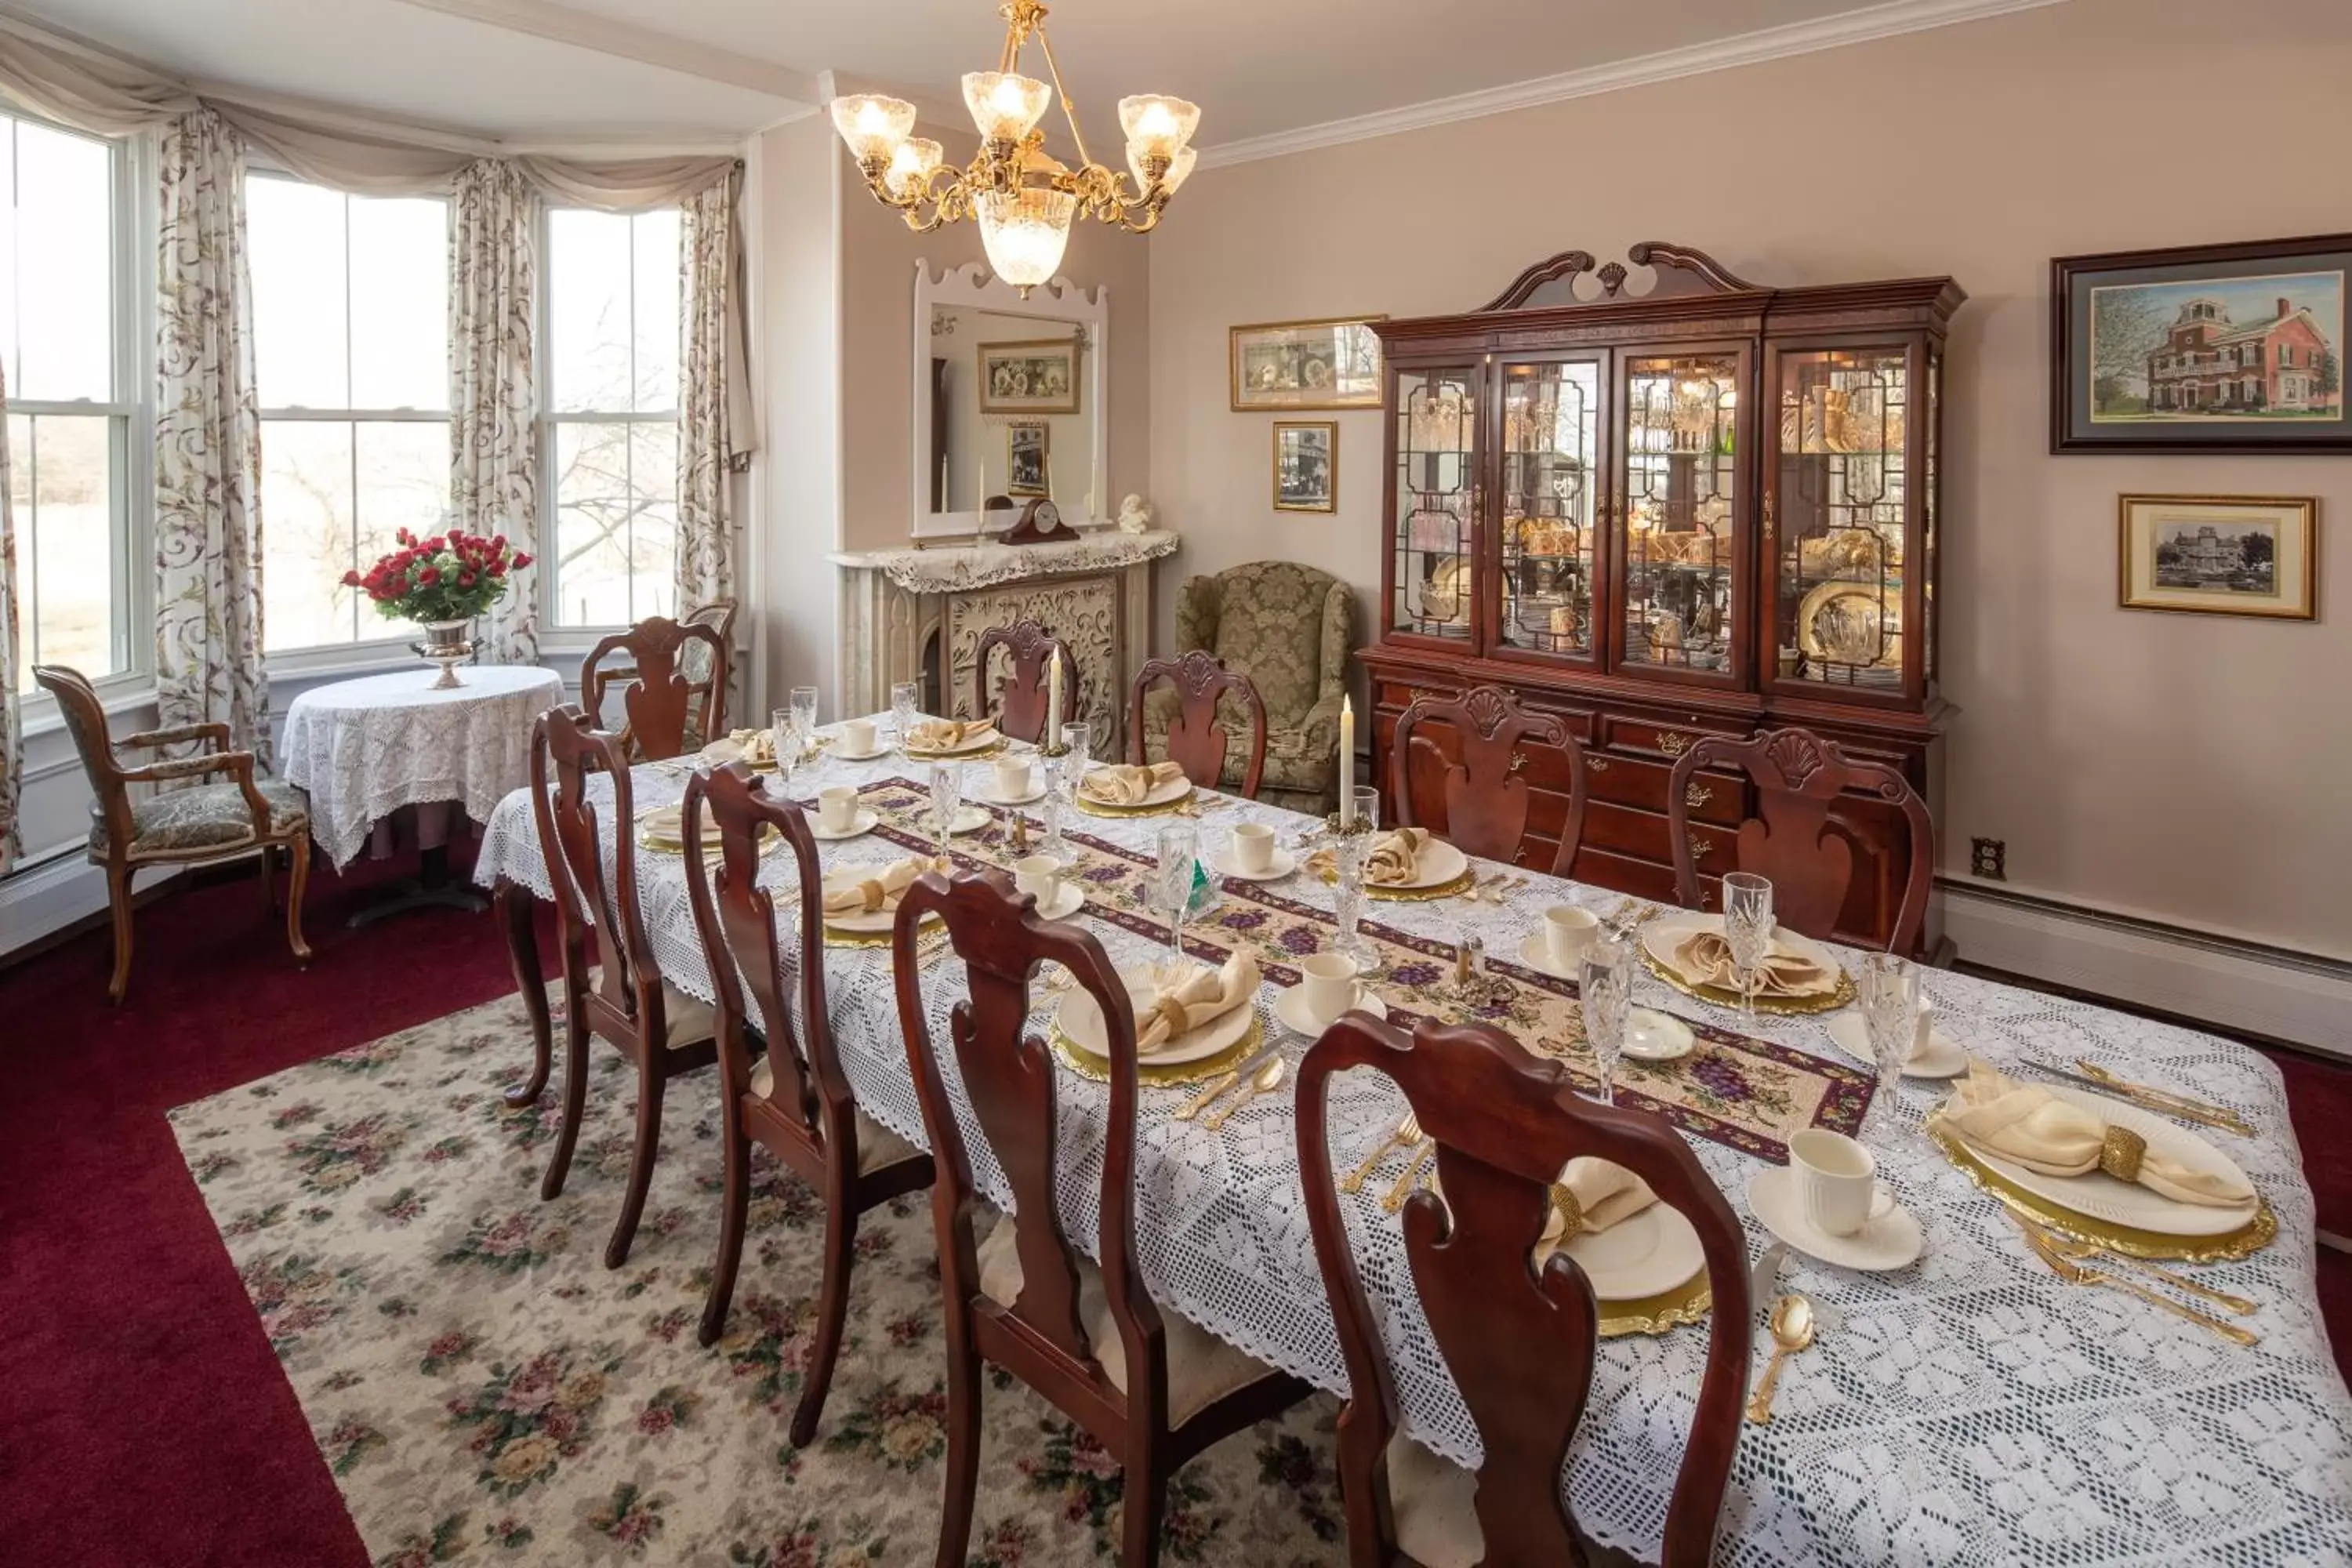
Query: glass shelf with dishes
point(1550, 477)
point(1435, 500)
point(1679, 515)
point(1841, 498)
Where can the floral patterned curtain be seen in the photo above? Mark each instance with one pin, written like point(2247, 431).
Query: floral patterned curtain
point(209, 664)
point(493, 399)
point(707, 252)
point(12, 715)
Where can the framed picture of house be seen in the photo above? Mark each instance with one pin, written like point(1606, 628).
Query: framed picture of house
point(2228, 555)
point(1026, 449)
point(1304, 365)
point(1307, 465)
point(1038, 376)
point(2217, 348)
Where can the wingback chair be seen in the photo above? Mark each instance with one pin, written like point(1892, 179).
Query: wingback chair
point(1290, 629)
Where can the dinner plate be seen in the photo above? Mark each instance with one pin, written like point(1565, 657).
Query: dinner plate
point(969, 747)
point(879, 923)
point(1439, 865)
point(2100, 1196)
point(1168, 793)
point(1282, 865)
point(1290, 1010)
point(1942, 1058)
point(863, 823)
point(1893, 1240)
point(1661, 936)
point(718, 753)
point(1081, 1022)
point(1644, 1255)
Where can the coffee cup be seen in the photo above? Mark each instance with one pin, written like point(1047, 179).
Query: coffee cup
point(836, 808)
point(857, 736)
point(1039, 875)
point(1568, 932)
point(1838, 1189)
point(1330, 981)
point(1012, 778)
point(1253, 846)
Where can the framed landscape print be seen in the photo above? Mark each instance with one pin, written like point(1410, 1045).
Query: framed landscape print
point(2221, 348)
point(1026, 470)
point(1304, 365)
point(1034, 377)
point(1307, 465)
point(2231, 555)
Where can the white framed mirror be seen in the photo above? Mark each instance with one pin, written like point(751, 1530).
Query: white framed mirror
point(1009, 397)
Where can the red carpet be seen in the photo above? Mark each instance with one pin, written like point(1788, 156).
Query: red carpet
point(147, 1422)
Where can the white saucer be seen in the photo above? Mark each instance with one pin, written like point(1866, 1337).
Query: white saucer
point(968, 818)
point(1068, 900)
point(988, 793)
point(1290, 1010)
point(1535, 953)
point(1943, 1056)
point(1283, 864)
point(1893, 1240)
point(862, 823)
point(844, 754)
point(1655, 1037)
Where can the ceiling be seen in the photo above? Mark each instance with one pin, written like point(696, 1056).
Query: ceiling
point(1257, 67)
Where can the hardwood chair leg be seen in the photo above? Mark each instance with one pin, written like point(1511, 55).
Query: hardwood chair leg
point(517, 918)
point(1144, 1509)
point(118, 903)
point(575, 1099)
point(962, 1482)
point(297, 882)
point(734, 1202)
point(831, 1312)
point(651, 1085)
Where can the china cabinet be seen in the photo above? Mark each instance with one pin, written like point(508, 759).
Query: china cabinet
point(1707, 507)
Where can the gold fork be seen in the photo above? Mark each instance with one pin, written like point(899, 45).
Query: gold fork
point(2082, 1250)
point(1393, 1202)
point(2074, 1273)
point(1406, 1131)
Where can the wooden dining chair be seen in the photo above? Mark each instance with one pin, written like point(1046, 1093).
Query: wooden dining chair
point(1519, 1340)
point(782, 1086)
point(662, 1031)
point(668, 713)
point(1481, 800)
point(1196, 741)
point(194, 825)
point(1796, 837)
point(1021, 704)
point(1151, 1387)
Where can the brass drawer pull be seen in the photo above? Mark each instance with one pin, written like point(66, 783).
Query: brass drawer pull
point(1597, 765)
point(1699, 847)
point(1697, 795)
point(1518, 761)
point(1673, 742)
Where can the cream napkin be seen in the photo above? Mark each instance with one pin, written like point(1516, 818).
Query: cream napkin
point(873, 894)
point(2027, 1123)
point(755, 745)
point(1124, 783)
point(1200, 996)
point(1394, 860)
point(664, 822)
point(1704, 958)
point(950, 734)
point(1590, 1195)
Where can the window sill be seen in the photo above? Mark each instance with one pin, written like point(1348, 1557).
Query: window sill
point(123, 694)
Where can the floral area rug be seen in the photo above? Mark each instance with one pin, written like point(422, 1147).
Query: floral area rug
point(486, 1392)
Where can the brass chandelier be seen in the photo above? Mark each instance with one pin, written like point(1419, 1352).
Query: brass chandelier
point(1022, 197)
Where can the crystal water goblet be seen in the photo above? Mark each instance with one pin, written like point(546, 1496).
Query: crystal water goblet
point(1171, 884)
point(1605, 986)
point(902, 712)
point(1748, 930)
point(1348, 849)
point(785, 732)
point(803, 710)
point(1886, 984)
point(947, 799)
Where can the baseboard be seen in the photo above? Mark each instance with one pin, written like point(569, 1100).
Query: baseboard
point(2294, 997)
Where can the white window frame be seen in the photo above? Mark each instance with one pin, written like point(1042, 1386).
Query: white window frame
point(133, 402)
point(390, 651)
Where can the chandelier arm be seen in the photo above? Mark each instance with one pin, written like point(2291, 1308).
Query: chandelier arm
point(1069, 113)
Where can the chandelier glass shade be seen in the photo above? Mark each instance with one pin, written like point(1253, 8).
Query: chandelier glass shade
point(1023, 199)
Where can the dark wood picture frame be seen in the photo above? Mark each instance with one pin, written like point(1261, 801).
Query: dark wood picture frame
point(1329, 431)
point(2250, 362)
point(2301, 513)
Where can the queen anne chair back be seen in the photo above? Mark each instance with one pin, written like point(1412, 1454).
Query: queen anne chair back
point(1196, 741)
point(1519, 1340)
point(85, 717)
point(567, 751)
point(1481, 800)
point(1022, 703)
point(665, 706)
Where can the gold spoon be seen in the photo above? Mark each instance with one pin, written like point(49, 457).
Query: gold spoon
point(1268, 1078)
point(1407, 1131)
point(1792, 1331)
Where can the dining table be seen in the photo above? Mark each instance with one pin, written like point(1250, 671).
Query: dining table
point(1973, 1407)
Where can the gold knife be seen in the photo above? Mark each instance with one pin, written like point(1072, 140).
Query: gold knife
point(2203, 1110)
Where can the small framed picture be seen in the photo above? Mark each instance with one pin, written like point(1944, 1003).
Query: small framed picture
point(2227, 555)
point(1037, 376)
point(1307, 465)
point(1027, 471)
point(1304, 365)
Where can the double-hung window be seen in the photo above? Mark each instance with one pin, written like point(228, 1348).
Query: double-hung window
point(351, 307)
point(609, 386)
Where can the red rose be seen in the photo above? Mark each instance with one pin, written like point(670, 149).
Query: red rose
point(351, 579)
point(498, 541)
point(427, 578)
point(520, 561)
point(404, 536)
point(465, 579)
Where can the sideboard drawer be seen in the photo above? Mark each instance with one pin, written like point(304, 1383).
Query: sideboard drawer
point(1715, 797)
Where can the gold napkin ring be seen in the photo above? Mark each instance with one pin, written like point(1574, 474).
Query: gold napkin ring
point(874, 895)
point(1172, 1010)
point(1571, 1213)
point(2120, 1154)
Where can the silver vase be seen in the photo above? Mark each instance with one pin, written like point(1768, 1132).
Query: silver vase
point(447, 645)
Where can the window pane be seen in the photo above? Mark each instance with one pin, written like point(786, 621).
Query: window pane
point(69, 465)
point(305, 505)
point(588, 312)
point(403, 483)
point(65, 273)
point(400, 293)
point(592, 525)
point(653, 531)
point(20, 496)
point(656, 313)
point(300, 338)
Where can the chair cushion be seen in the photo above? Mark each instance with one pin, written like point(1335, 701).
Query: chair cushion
point(1201, 1368)
point(878, 1147)
point(1430, 1499)
point(690, 1020)
point(206, 818)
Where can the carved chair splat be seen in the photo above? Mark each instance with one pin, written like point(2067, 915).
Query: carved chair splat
point(1023, 702)
point(1484, 802)
point(1196, 741)
point(665, 707)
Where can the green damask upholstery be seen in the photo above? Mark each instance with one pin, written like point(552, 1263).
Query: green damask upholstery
point(204, 816)
point(1290, 629)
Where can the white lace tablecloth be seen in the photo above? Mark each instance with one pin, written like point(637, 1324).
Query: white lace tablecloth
point(1971, 1409)
point(364, 749)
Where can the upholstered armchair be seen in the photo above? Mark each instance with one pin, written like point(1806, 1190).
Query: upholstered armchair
point(1290, 629)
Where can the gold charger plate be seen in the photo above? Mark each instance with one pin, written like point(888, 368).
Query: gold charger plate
point(980, 754)
point(1827, 1002)
point(769, 842)
point(1086, 1064)
point(1103, 808)
point(836, 937)
point(2228, 1247)
point(1688, 1302)
point(1387, 895)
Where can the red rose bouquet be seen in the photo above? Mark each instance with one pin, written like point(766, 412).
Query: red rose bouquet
point(449, 577)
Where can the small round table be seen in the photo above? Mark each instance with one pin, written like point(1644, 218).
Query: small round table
point(364, 749)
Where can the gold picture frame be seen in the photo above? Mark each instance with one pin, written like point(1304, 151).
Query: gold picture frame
point(1028, 458)
point(1307, 465)
point(1304, 367)
point(2219, 555)
point(1033, 375)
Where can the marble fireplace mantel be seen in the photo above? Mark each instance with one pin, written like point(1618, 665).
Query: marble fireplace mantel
point(918, 615)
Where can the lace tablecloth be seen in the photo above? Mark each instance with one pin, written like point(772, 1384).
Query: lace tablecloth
point(1969, 1409)
point(365, 748)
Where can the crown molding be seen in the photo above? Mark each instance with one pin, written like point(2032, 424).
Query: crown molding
point(1882, 21)
point(623, 40)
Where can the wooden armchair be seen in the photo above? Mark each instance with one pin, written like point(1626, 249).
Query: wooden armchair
point(791, 1095)
point(1021, 704)
point(670, 709)
point(188, 826)
point(1480, 805)
point(662, 1031)
point(1520, 1341)
point(1150, 1387)
point(1798, 839)
point(1194, 739)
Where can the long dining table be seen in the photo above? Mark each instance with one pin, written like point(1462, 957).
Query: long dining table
point(1969, 1409)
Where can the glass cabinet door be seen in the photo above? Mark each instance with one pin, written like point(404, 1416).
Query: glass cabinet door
point(1840, 499)
point(1433, 524)
point(1678, 526)
point(1549, 481)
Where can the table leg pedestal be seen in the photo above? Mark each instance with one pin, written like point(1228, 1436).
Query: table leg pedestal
point(430, 890)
